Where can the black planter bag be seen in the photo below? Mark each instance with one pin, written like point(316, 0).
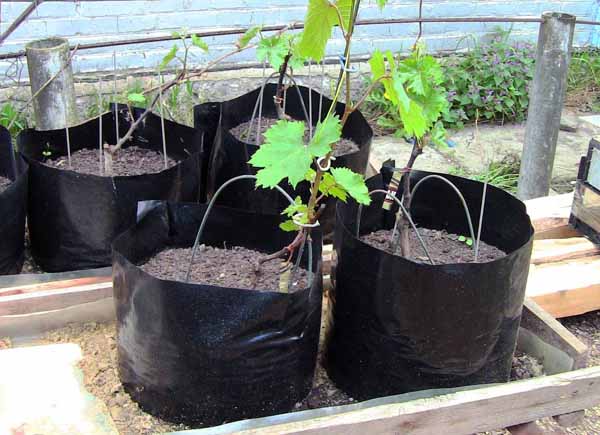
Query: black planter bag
point(74, 217)
point(13, 207)
point(402, 326)
point(202, 354)
point(229, 155)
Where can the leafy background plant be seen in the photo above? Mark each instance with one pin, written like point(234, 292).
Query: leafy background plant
point(583, 83)
point(11, 116)
point(491, 79)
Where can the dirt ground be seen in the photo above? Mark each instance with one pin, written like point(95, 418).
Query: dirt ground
point(98, 342)
point(587, 329)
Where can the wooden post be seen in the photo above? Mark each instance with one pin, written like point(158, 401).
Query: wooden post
point(51, 78)
point(545, 104)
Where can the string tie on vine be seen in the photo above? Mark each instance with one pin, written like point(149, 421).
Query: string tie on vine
point(320, 163)
point(296, 219)
point(343, 65)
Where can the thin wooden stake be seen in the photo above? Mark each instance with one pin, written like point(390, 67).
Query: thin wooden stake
point(68, 146)
point(322, 88)
point(100, 144)
point(162, 118)
point(115, 97)
point(310, 124)
point(260, 104)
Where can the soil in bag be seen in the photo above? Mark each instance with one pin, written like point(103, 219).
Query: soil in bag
point(75, 213)
point(217, 348)
point(128, 161)
point(402, 325)
point(13, 206)
point(232, 148)
point(234, 267)
point(444, 248)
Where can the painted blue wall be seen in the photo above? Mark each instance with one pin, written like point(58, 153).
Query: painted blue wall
point(86, 22)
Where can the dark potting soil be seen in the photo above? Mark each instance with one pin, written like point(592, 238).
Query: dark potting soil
point(343, 147)
point(4, 183)
point(232, 267)
point(444, 248)
point(128, 161)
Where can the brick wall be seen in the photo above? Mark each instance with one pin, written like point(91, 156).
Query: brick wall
point(88, 21)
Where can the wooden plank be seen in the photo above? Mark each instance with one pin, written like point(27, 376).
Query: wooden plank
point(586, 206)
point(53, 285)
point(546, 339)
point(549, 211)
point(566, 288)
point(54, 299)
point(24, 325)
point(555, 250)
point(459, 412)
point(550, 216)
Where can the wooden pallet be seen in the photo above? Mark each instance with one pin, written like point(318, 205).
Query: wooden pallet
point(564, 277)
point(461, 411)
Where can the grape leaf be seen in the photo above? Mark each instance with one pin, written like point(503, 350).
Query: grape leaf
point(398, 81)
point(318, 25)
point(329, 187)
point(274, 50)
point(327, 133)
point(283, 155)
point(289, 226)
point(377, 65)
point(168, 57)
point(199, 42)
point(248, 36)
point(136, 97)
point(352, 183)
point(345, 8)
point(297, 207)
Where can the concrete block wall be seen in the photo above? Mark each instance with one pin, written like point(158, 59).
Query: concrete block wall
point(86, 22)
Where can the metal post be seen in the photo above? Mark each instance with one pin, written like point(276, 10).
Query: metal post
point(545, 104)
point(54, 105)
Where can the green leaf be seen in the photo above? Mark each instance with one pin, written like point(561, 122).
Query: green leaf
point(469, 242)
point(398, 82)
point(168, 57)
point(329, 187)
point(297, 207)
point(136, 98)
point(327, 133)
point(462, 239)
point(199, 42)
point(318, 25)
point(283, 155)
point(381, 3)
point(289, 226)
point(248, 36)
point(345, 8)
point(352, 183)
point(274, 50)
point(377, 65)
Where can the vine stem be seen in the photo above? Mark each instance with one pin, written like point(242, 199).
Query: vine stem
point(347, 111)
point(178, 78)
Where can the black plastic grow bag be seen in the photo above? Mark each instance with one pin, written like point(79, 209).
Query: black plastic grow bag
point(74, 217)
point(202, 354)
point(401, 326)
point(13, 207)
point(229, 155)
